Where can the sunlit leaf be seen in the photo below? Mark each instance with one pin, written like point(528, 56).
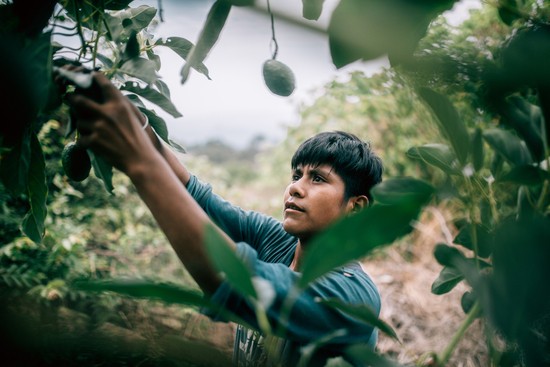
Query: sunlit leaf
point(363, 313)
point(400, 190)
point(225, 260)
point(162, 88)
point(182, 47)
point(449, 122)
point(153, 96)
point(511, 147)
point(437, 155)
point(355, 236)
point(154, 58)
point(33, 223)
point(140, 68)
point(122, 23)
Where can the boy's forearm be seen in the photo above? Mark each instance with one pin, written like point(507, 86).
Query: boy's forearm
point(177, 167)
point(179, 216)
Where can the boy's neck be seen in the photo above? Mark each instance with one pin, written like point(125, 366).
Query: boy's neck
point(298, 257)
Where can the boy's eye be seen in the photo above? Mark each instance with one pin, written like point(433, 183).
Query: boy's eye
point(317, 178)
point(295, 178)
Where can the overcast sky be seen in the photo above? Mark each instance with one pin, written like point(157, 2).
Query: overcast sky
point(235, 105)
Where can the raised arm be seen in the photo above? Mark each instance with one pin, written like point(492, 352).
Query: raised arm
point(113, 129)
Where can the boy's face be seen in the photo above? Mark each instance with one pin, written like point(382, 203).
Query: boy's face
point(313, 200)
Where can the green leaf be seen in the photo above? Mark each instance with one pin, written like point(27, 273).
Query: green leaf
point(116, 4)
point(364, 356)
point(146, 289)
point(368, 29)
point(103, 170)
point(14, 166)
point(121, 24)
point(225, 259)
point(177, 146)
point(140, 68)
point(508, 11)
point(451, 257)
point(39, 66)
point(526, 119)
point(467, 301)
point(215, 21)
point(517, 298)
point(402, 190)
point(483, 238)
point(158, 124)
point(511, 147)
point(363, 313)
point(525, 175)
point(153, 96)
point(33, 223)
point(437, 155)
point(477, 149)
point(162, 88)
point(132, 49)
point(312, 9)
point(355, 236)
point(182, 47)
point(449, 122)
point(448, 278)
point(154, 58)
point(525, 204)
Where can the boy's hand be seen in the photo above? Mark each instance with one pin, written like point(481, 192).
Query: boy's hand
point(110, 125)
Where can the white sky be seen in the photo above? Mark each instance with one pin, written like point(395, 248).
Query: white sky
point(235, 105)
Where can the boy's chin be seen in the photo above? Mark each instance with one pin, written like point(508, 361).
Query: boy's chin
point(291, 229)
point(294, 230)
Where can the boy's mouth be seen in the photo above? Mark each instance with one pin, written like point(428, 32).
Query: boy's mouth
point(290, 205)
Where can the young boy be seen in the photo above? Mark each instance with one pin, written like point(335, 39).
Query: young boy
point(332, 174)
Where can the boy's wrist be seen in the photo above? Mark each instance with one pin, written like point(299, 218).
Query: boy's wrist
point(140, 169)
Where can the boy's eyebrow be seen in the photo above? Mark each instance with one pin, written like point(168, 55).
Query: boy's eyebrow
point(322, 170)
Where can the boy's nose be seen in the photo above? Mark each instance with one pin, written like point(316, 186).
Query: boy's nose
point(296, 189)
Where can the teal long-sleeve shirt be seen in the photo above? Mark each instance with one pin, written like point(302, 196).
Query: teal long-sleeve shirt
point(267, 249)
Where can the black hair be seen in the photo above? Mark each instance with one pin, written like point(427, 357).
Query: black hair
point(350, 157)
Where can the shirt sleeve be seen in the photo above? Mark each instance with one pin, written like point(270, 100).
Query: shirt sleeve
point(309, 320)
point(256, 229)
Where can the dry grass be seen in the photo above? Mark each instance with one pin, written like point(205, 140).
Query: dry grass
point(424, 322)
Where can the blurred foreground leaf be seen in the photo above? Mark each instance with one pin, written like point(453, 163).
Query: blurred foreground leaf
point(355, 236)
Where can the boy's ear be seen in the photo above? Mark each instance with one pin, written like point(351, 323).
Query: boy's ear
point(358, 202)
